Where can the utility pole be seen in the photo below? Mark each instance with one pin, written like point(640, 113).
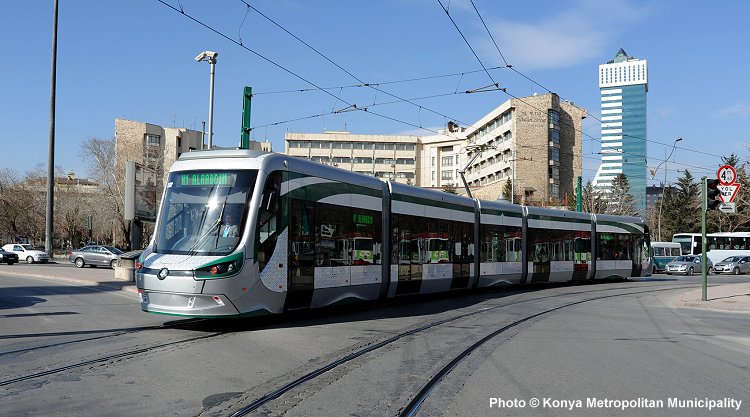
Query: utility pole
point(704, 208)
point(247, 96)
point(49, 218)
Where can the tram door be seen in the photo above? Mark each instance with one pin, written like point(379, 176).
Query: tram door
point(411, 253)
point(463, 253)
point(637, 248)
point(301, 255)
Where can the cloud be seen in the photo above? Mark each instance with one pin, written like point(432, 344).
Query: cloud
point(737, 110)
point(578, 33)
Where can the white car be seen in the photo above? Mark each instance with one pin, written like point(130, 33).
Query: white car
point(27, 253)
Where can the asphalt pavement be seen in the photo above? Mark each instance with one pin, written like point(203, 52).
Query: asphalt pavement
point(721, 296)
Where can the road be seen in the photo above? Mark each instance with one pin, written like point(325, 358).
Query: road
point(75, 350)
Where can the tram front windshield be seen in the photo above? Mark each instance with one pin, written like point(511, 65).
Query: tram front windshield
point(204, 212)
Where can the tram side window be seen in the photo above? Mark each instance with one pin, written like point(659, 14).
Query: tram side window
point(614, 246)
point(538, 245)
point(500, 243)
point(437, 243)
point(269, 219)
point(407, 243)
point(492, 245)
point(333, 234)
point(462, 237)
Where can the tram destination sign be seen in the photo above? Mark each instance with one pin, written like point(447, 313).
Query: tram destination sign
point(202, 179)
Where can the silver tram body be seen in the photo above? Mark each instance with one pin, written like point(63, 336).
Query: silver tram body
point(313, 236)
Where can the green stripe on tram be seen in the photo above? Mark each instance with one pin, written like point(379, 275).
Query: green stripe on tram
point(630, 227)
point(321, 190)
point(558, 219)
point(495, 212)
point(432, 203)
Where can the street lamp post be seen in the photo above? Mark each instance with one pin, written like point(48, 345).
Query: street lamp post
point(210, 56)
point(663, 186)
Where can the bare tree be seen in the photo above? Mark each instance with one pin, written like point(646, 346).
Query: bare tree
point(99, 155)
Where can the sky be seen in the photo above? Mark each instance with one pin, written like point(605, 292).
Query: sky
point(135, 60)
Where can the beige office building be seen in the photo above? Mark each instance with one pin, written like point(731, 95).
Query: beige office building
point(388, 157)
point(534, 141)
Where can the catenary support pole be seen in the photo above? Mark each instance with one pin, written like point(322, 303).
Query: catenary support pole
point(49, 218)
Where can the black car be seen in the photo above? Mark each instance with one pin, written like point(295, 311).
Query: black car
point(8, 257)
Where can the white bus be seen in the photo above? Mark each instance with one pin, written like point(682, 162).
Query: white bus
point(719, 246)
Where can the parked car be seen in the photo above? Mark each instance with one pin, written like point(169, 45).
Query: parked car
point(734, 264)
point(27, 252)
point(95, 255)
point(688, 265)
point(8, 257)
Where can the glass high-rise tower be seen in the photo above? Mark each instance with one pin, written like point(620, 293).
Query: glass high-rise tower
point(623, 83)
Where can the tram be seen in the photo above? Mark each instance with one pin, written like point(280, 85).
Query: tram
point(314, 236)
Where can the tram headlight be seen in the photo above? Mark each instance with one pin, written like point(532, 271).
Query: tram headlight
point(224, 267)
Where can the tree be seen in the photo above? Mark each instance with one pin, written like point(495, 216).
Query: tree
point(591, 200)
point(620, 201)
point(508, 192)
point(681, 212)
point(450, 189)
point(99, 155)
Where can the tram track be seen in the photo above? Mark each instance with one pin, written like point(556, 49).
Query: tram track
point(114, 333)
point(427, 388)
point(106, 358)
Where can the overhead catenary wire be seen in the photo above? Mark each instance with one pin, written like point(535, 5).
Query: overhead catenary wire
point(287, 70)
point(347, 71)
point(497, 47)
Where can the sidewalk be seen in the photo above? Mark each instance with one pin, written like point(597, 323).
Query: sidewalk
point(724, 297)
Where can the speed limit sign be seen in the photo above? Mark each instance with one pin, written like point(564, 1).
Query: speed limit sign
point(726, 175)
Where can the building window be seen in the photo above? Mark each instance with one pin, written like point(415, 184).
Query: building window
point(405, 161)
point(388, 161)
point(554, 154)
point(554, 136)
point(362, 145)
point(384, 146)
point(447, 161)
point(554, 119)
point(153, 140)
point(404, 146)
point(446, 149)
point(362, 160)
point(341, 145)
point(446, 174)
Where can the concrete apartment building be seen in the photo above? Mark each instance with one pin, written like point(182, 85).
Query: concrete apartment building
point(537, 137)
point(153, 146)
point(158, 147)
